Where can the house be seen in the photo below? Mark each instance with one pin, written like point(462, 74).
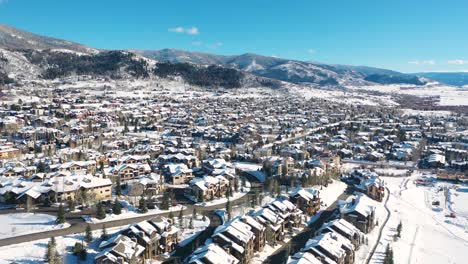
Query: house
point(169, 234)
point(304, 258)
point(151, 184)
point(344, 228)
point(306, 200)
point(177, 173)
point(237, 237)
point(359, 213)
point(208, 188)
point(211, 254)
point(121, 250)
point(7, 151)
point(258, 230)
point(332, 246)
point(129, 171)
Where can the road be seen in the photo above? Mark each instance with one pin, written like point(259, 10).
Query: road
point(298, 242)
point(78, 225)
point(389, 213)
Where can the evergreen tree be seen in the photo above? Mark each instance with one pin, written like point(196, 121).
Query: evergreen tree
point(171, 216)
point(116, 207)
point(118, 187)
point(228, 209)
point(399, 228)
point(191, 223)
point(80, 251)
point(194, 212)
point(71, 205)
point(104, 233)
point(181, 218)
point(142, 207)
point(165, 203)
point(52, 256)
point(388, 258)
point(201, 197)
point(88, 234)
point(100, 213)
point(60, 215)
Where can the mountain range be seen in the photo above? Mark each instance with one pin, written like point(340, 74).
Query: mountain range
point(26, 55)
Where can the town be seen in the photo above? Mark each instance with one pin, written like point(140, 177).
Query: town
point(143, 175)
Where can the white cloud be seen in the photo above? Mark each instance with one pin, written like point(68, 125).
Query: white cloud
point(457, 62)
point(188, 31)
point(311, 51)
point(423, 62)
point(192, 31)
point(197, 43)
point(214, 45)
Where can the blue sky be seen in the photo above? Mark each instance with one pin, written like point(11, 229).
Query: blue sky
point(409, 36)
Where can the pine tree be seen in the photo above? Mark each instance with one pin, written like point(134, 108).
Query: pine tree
point(60, 215)
point(228, 209)
point(181, 218)
point(142, 207)
point(399, 228)
point(165, 203)
point(100, 213)
point(194, 212)
point(88, 234)
point(191, 223)
point(52, 256)
point(171, 216)
point(118, 187)
point(104, 233)
point(116, 207)
point(388, 258)
point(71, 205)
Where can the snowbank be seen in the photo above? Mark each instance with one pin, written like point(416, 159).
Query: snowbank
point(12, 225)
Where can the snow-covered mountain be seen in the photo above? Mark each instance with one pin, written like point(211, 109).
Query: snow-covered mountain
point(26, 56)
point(13, 38)
point(288, 70)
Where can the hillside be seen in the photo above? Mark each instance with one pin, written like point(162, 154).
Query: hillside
point(25, 56)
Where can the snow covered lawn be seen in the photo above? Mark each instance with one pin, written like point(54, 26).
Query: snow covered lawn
point(188, 234)
point(27, 223)
point(427, 236)
point(34, 252)
point(131, 213)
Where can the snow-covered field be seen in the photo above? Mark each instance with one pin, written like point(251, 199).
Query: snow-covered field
point(449, 95)
point(428, 235)
point(34, 252)
point(12, 225)
point(186, 233)
point(130, 213)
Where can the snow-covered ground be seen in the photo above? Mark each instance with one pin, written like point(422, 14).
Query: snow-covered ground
point(34, 252)
point(12, 225)
point(186, 233)
point(130, 212)
point(449, 95)
point(428, 235)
